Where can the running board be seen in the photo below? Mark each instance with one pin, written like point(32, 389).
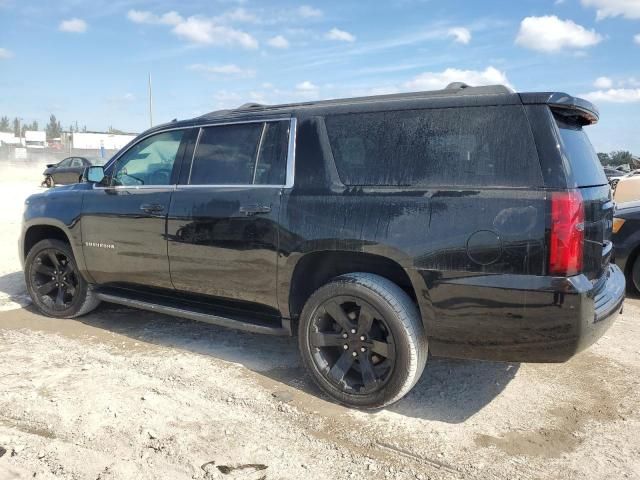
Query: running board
point(247, 326)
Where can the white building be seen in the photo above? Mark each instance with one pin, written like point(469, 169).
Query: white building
point(94, 141)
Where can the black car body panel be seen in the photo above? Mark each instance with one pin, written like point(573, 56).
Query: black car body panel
point(473, 257)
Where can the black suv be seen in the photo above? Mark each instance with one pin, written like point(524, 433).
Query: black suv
point(467, 222)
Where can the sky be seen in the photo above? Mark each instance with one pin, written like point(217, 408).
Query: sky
point(89, 61)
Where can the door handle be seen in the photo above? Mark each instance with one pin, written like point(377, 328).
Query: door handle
point(152, 207)
point(255, 210)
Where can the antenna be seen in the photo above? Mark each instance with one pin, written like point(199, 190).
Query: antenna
point(150, 103)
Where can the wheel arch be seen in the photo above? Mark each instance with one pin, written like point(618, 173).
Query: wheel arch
point(47, 228)
point(317, 268)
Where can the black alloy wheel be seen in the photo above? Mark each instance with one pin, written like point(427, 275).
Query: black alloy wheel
point(353, 347)
point(54, 279)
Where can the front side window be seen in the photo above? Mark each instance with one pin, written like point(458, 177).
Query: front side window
point(149, 162)
point(241, 154)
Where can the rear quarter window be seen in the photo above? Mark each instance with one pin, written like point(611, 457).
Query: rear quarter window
point(585, 166)
point(470, 146)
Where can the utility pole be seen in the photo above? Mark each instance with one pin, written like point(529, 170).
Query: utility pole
point(150, 103)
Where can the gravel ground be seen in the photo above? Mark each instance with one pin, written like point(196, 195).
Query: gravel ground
point(122, 394)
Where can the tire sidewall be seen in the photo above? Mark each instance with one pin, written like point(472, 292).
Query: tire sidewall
point(635, 274)
point(82, 288)
point(403, 346)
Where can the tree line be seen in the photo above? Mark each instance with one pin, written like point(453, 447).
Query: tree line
point(53, 128)
point(616, 158)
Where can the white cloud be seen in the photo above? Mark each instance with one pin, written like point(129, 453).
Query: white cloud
point(306, 86)
point(205, 31)
point(306, 11)
point(614, 8)
point(550, 34)
point(141, 16)
point(340, 35)
point(636, 38)
point(614, 95)
point(230, 70)
point(196, 29)
point(73, 25)
point(603, 82)
point(438, 80)
point(239, 15)
point(5, 54)
point(461, 34)
point(278, 42)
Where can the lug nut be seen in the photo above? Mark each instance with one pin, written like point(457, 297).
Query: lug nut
point(362, 349)
point(344, 335)
point(354, 354)
point(362, 338)
point(345, 346)
point(353, 330)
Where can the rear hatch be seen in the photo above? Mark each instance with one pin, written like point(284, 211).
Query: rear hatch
point(589, 178)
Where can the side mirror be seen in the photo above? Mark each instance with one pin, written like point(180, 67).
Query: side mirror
point(94, 174)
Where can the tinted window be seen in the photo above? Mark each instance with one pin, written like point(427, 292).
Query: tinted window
point(77, 162)
point(242, 154)
point(149, 162)
point(473, 146)
point(585, 165)
point(272, 159)
point(226, 155)
point(65, 163)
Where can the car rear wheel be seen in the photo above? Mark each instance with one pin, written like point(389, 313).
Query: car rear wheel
point(635, 274)
point(361, 338)
point(54, 282)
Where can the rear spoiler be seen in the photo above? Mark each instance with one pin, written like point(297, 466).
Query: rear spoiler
point(585, 112)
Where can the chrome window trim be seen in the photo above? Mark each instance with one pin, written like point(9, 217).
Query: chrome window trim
point(291, 157)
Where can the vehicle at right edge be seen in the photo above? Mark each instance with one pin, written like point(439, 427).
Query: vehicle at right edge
point(469, 222)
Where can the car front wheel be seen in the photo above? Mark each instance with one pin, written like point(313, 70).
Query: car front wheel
point(361, 338)
point(54, 282)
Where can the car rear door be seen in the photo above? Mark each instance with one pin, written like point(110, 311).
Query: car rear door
point(124, 224)
point(223, 220)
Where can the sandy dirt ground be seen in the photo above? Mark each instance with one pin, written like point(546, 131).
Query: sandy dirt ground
point(123, 394)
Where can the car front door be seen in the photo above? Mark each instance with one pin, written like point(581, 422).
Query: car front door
point(60, 172)
point(123, 223)
point(223, 220)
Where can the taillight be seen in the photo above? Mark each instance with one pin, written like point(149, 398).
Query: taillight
point(567, 233)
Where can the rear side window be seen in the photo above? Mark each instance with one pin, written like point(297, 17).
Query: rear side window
point(585, 165)
point(241, 154)
point(471, 146)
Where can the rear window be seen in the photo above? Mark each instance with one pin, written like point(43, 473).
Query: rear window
point(471, 146)
point(585, 165)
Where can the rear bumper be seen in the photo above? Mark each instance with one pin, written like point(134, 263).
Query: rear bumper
point(518, 318)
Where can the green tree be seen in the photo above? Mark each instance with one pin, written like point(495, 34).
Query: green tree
point(54, 128)
point(5, 126)
point(16, 127)
point(621, 157)
point(605, 159)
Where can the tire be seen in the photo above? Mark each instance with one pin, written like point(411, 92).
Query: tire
point(635, 274)
point(48, 182)
point(68, 295)
point(341, 362)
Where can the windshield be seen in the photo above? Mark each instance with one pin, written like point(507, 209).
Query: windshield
point(585, 164)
